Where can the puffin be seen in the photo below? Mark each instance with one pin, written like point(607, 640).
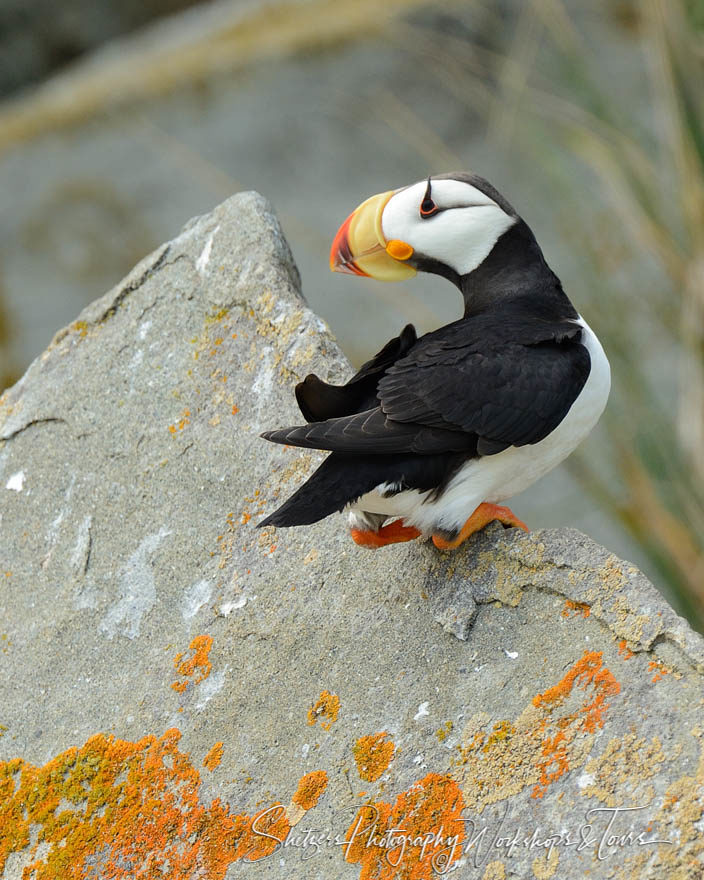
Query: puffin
point(432, 433)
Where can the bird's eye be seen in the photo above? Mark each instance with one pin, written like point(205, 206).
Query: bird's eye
point(428, 208)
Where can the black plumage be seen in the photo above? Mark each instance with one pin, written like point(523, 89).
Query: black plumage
point(414, 413)
point(318, 400)
point(505, 374)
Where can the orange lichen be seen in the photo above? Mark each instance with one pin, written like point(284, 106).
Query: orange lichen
point(125, 811)
point(624, 650)
point(310, 788)
point(539, 746)
point(200, 646)
point(433, 805)
point(214, 756)
point(577, 607)
point(587, 671)
point(235, 409)
point(660, 670)
point(555, 760)
point(181, 422)
point(373, 754)
point(327, 706)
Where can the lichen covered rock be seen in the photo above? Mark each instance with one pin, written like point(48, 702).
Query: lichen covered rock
point(181, 692)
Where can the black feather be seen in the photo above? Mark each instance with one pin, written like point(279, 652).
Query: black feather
point(342, 479)
point(510, 383)
point(319, 400)
point(372, 433)
point(506, 374)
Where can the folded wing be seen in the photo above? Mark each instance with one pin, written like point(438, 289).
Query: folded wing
point(319, 400)
point(468, 387)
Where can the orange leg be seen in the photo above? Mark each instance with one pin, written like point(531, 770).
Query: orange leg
point(394, 533)
point(481, 517)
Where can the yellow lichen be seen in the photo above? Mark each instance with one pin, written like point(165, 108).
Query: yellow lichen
point(443, 732)
point(216, 316)
point(504, 730)
point(545, 867)
point(539, 746)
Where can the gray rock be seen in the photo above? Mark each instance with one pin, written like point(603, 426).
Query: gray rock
point(169, 671)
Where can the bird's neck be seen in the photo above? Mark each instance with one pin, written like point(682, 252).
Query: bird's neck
point(515, 274)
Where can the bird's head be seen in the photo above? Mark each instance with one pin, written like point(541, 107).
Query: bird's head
point(447, 224)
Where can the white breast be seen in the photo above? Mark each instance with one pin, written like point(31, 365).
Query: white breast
point(497, 477)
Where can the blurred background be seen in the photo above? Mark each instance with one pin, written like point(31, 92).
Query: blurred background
point(120, 121)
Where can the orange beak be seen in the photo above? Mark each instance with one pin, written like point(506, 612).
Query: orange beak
point(360, 248)
point(341, 258)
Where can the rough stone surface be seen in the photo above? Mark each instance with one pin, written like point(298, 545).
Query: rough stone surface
point(85, 196)
point(169, 671)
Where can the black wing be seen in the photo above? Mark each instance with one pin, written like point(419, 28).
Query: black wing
point(471, 386)
point(510, 386)
point(372, 432)
point(319, 400)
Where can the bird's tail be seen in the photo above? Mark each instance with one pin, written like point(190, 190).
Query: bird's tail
point(336, 483)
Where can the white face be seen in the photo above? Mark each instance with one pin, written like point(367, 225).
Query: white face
point(461, 234)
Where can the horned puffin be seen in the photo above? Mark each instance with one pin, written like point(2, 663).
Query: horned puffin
point(433, 432)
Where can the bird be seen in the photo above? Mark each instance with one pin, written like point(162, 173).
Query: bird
point(435, 431)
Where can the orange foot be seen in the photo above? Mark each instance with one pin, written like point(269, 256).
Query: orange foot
point(394, 533)
point(481, 517)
